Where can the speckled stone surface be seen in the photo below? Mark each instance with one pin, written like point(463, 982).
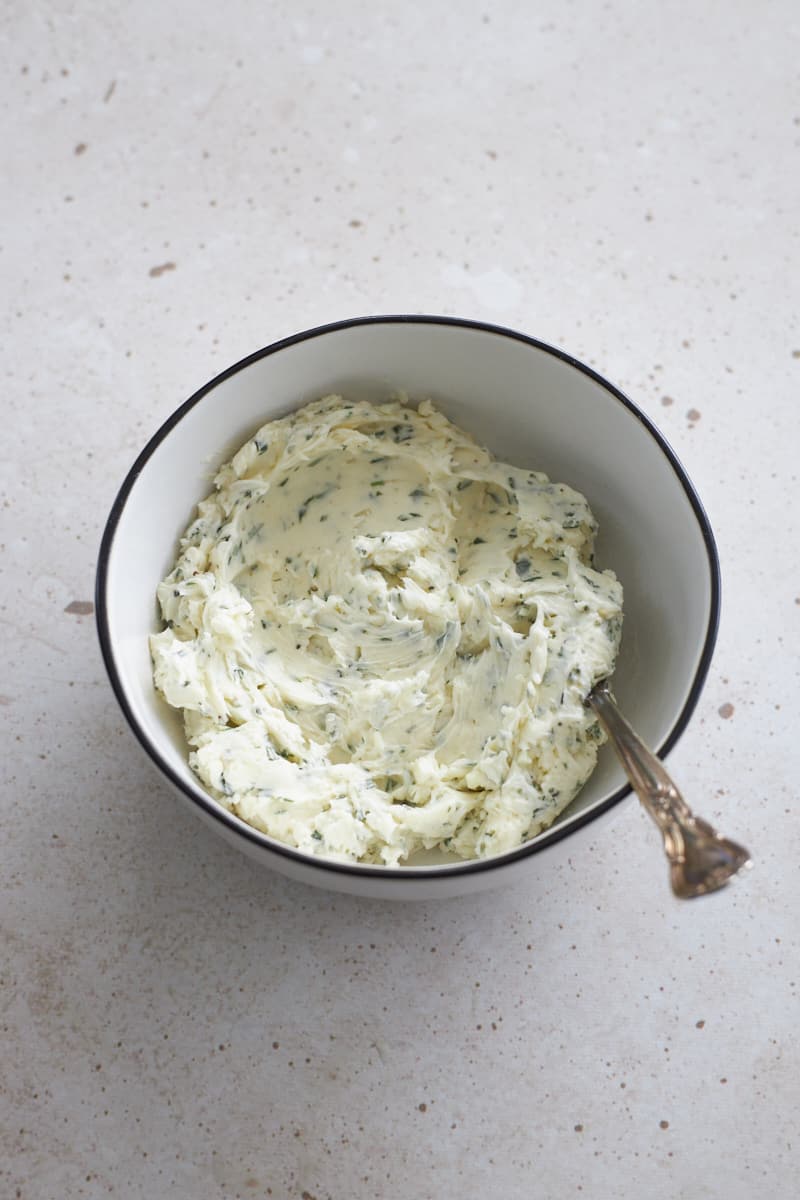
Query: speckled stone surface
point(187, 183)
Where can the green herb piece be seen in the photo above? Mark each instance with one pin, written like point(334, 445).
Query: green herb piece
point(303, 509)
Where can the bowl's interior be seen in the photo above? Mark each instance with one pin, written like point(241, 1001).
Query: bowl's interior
point(531, 407)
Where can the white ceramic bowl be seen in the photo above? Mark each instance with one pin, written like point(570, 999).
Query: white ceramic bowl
point(533, 406)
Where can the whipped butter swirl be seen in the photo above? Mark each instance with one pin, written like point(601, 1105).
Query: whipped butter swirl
point(381, 638)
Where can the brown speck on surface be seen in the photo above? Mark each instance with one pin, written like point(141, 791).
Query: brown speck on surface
point(307, 1196)
point(275, 1045)
point(699, 1024)
point(5, 700)
point(355, 223)
point(578, 1128)
point(423, 1108)
point(693, 415)
point(251, 1183)
point(110, 91)
point(491, 154)
point(723, 1080)
point(80, 608)
point(796, 354)
point(666, 401)
point(726, 711)
point(663, 1124)
point(81, 148)
point(159, 270)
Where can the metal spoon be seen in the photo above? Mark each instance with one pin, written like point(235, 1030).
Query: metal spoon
point(700, 860)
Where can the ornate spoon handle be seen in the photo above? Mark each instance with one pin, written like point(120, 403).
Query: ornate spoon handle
point(700, 860)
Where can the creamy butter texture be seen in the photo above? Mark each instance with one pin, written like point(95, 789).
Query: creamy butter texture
point(382, 639)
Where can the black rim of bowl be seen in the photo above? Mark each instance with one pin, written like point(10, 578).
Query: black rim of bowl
point(239, 827)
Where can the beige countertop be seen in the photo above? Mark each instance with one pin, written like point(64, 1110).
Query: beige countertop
point(185, 184)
